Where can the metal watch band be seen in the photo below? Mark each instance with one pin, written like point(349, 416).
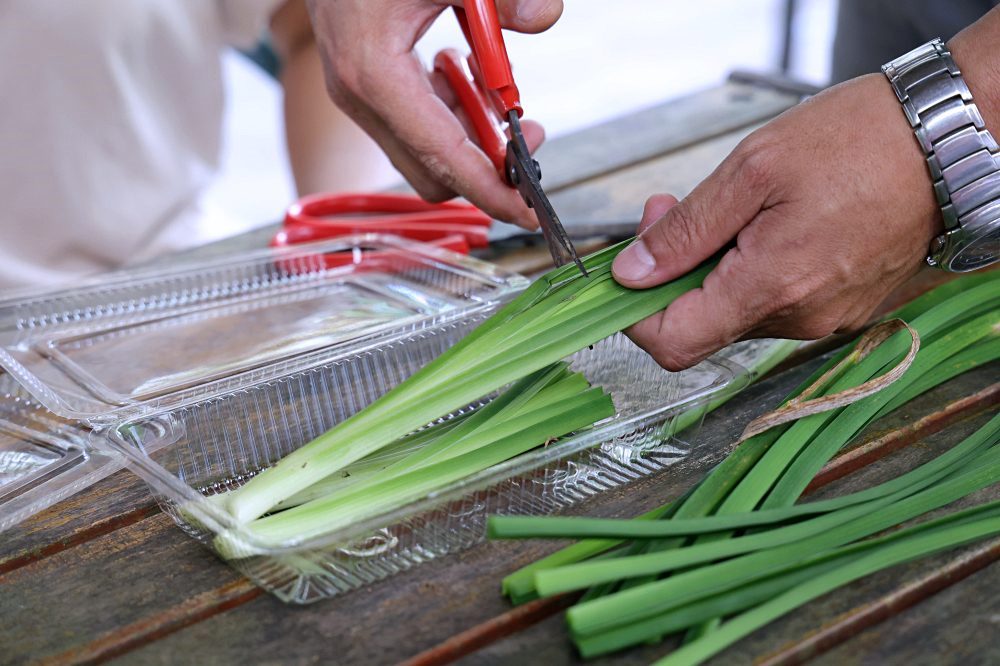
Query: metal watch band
point(961, 153)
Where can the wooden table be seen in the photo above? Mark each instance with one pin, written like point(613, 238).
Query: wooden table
point(105, 575)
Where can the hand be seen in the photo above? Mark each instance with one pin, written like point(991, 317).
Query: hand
point(373, 74)
point(831, 207)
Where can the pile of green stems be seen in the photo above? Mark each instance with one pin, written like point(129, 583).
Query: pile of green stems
point(738, 546)
point(367, 463)
point(545, 405)
point(556, 316)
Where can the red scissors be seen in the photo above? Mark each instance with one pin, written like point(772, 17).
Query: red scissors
point(484, 85)
point(451, 225)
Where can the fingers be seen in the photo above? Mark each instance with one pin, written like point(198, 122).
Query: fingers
point(704, 320)
point(698, 226)
point(655, 208)
point(428, 143)
point(529, 16)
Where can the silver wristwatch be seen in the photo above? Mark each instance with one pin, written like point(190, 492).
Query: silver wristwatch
point(961, 154)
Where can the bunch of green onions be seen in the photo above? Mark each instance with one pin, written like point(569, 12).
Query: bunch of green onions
point(738, 546)
point(384, 454)
point(544, 405)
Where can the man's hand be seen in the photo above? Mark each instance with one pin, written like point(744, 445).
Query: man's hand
point(373, 74)
point(831, 208)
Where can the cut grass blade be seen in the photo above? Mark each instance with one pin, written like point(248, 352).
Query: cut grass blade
point(742, 596)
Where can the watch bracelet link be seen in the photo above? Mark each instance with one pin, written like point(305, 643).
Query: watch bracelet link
point(961, 153)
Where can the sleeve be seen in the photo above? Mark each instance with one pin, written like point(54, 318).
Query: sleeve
point(244, 21)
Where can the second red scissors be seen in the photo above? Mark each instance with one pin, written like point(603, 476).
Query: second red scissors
point(451, 225)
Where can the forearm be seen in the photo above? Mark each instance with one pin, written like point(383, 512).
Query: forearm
point(977, 53)
point(327, 151)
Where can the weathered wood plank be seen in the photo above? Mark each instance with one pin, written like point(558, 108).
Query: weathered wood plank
point(871, 614)
point(959, 625)
point(70, 598)
point(111, 504)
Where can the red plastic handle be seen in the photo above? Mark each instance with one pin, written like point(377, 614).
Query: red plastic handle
point(474, 236)
point(380, 208)
point(485, 121)
point(481, 25)
point(325, 216)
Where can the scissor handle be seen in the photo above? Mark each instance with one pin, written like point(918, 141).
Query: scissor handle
point(315, 208)
point(486, 123)
point(323, 216)
point(481, 26)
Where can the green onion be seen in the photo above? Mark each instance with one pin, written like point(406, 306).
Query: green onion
point(556, 316)
point(882, 558)
point(539, 408)
point(655, 597)
point(738, 540)
point(741, 596)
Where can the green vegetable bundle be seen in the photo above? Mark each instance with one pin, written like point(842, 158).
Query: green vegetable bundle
point(556, 316)
point(386, 455)
point(738, 546)
point(544, 405)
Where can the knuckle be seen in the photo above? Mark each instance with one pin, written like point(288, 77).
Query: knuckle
point(792, 290)
point(673, 359)
point(675, 234)
point(432, 192)
point(818, 326)
point(755, 161)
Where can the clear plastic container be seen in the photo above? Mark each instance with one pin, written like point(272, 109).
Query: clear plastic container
point(43, 458)
point(218, 444)
point(231, 366)
point(79, 360)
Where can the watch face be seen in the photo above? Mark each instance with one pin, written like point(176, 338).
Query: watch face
point(981, 252)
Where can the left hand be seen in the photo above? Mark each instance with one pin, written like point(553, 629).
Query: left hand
point(831, 208)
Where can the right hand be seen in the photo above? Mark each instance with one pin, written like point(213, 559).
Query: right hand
point(373, 74)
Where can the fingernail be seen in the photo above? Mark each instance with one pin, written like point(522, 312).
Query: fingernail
point(528, 11)
point(634, 262)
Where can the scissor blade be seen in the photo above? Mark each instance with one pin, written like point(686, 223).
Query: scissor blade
point(524, 174)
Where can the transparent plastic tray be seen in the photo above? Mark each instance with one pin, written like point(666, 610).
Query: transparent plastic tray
point(43, 458)
point(139, 343)
point(215, 444)
point(79, 360)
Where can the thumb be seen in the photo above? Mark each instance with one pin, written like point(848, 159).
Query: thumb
point(694, 229)
point(529, 16)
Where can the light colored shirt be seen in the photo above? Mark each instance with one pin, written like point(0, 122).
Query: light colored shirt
point(111, 129)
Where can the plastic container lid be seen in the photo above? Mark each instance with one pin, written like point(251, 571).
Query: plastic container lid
point(82, 359)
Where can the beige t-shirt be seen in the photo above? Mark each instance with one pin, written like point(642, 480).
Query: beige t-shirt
point(110, 129)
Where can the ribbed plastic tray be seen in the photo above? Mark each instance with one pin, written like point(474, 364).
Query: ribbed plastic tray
point(79, 360)
point(217, 444)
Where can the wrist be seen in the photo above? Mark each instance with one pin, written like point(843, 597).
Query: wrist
point(960, 152)
point(975, 53)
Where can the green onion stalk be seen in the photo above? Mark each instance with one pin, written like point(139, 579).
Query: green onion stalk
point(739, 542)
point(556, 316)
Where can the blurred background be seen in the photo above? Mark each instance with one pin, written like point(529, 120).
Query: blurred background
point(601, 60)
